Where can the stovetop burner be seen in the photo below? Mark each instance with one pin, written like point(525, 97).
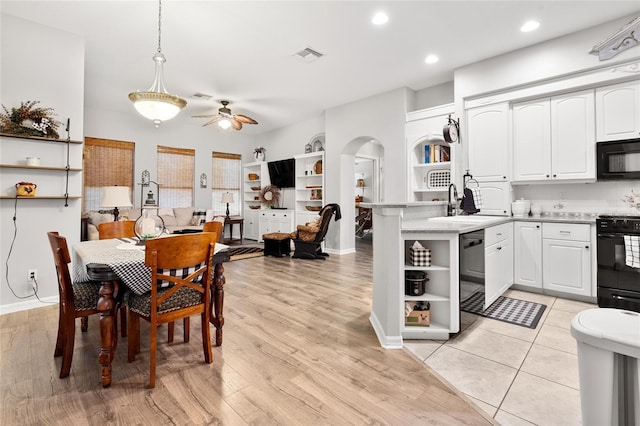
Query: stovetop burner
point(619, 217)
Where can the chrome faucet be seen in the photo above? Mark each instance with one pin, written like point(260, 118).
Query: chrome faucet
point(452, 209)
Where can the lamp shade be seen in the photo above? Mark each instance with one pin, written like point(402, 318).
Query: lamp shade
point(115, 196)
point(227, 197)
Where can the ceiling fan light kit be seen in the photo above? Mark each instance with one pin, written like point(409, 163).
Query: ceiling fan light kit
point(226, 119)
point(157, 104)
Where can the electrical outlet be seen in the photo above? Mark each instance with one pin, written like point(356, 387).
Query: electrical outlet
point(32, 275)
point(563, 195)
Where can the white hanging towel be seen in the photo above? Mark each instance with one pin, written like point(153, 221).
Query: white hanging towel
point(477, 197)
point(632, 250)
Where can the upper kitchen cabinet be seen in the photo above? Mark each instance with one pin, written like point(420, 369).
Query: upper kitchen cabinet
point(488, 142)
point(554, 138)
point(618, 111)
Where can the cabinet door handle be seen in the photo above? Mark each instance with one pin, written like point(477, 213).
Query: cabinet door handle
point(547, 175)
point(499, 248)
point(504, 177)
point(498, 234)
point(565, 232)
point(554, 175)
point(538, 226)
point(587, 247)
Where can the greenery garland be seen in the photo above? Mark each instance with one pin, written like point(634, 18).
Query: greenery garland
point(30, 121)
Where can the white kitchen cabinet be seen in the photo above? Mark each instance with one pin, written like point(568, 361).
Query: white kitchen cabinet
point(527, 254)
point(498, 259)
point(488, 142)
point(566, 258)
point(275, 220)
point(618, 111)
point(496, 198)
point(554, 138)
point(251, 228)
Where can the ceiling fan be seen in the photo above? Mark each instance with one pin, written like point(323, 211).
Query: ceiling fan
point(226, 119)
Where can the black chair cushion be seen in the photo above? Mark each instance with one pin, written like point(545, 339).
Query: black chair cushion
point(141, 304)
point(85, 295)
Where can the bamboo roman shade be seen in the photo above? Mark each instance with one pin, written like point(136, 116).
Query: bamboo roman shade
point(227, 177)
point(106, 162)
point(176, 170)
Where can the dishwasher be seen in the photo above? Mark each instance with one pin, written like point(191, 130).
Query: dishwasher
point(471, 263)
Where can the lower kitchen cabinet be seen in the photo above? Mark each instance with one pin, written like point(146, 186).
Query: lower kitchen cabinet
point(498, 260)
point(566, 258)
point(527, 254)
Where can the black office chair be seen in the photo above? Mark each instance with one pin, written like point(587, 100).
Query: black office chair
point(308, 238)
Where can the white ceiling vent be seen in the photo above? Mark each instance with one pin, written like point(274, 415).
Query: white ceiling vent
point(201, 96)
point(308, 55)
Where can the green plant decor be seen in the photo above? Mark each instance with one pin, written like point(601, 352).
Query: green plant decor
point(29, 121)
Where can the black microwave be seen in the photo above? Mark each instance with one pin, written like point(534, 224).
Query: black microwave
point(618, 160)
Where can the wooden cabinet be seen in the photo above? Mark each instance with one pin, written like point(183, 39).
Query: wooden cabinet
point(527, 254)
point(566, 257)
point(498, 261)
point(554, 138)
point(618, 111)
point(53, 179)
point(275, 220)
point(488, 142)
point(442, 289)
point(309, 190)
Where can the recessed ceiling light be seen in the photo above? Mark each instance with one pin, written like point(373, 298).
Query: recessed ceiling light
point(380, 18)
point(431, 59)
point(529, 26)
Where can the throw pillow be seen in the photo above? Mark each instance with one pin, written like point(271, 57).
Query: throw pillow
point(199, 217)
point(169, 220)
point(210, 215)
point(165, 212)
point(183, 215)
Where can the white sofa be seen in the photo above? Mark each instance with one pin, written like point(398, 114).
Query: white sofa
point(175, 219)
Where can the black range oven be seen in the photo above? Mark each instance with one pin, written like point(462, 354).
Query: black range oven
point(618, 283)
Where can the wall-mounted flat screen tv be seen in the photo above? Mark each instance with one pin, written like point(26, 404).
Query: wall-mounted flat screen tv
point(283, 173)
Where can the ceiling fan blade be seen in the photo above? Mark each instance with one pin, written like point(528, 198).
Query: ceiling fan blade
point(213, 120)
point(235, 124)
point(203, 116)
point(244, 119)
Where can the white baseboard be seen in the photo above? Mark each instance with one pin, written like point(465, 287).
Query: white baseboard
point(340, 252)
point(29, 304)
point(387, 342)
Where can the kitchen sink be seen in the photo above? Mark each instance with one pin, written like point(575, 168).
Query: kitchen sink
point(464, 219)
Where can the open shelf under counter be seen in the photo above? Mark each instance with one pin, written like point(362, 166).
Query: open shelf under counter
point(427, 297)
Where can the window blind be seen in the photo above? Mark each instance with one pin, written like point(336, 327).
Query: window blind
point(176, 170)
point(105, 162)
point(227, 175)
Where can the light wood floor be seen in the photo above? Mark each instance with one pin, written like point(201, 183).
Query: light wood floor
point(298, 350)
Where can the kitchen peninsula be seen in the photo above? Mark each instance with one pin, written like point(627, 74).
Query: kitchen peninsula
point(398, 226)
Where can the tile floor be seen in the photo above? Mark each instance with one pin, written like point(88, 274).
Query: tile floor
point(519, 376)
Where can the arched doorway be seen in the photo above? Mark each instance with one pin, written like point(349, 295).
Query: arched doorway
point(368, 152)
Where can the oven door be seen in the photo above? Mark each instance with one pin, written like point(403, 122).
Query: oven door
point(612, 269)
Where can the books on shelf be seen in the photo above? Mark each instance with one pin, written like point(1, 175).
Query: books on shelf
point(436, 153)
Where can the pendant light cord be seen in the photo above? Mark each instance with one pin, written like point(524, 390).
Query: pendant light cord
point(159, 24)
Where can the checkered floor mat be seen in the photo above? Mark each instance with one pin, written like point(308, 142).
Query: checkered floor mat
point(513, 311)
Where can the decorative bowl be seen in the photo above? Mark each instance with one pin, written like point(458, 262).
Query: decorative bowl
point(254, 207)
point(255, 188)
point(314, 208)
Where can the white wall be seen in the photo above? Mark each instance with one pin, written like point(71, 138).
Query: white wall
point(434, 96)
point(44, 64)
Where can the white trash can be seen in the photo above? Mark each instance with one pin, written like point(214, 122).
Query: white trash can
point(608, 353)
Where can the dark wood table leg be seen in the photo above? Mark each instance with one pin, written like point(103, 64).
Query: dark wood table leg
point(108, 335)
point(217, 319)
point(241, 230)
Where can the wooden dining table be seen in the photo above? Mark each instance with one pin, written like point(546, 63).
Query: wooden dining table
point(117, 265)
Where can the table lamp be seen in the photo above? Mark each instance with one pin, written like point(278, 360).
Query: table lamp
point(227, 197)
point(114, 197)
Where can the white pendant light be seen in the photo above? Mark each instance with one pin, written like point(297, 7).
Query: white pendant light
point(157, 104)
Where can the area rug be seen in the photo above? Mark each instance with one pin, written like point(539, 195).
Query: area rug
point(507, 309)
point(245, 252)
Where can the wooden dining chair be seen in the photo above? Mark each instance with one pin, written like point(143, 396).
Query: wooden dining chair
point(77, 300)
point(181, 268)
point(215, 226)
point(119, 229)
